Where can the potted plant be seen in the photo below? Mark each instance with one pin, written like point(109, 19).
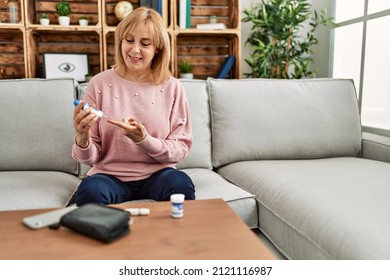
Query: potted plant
point(63, 10)
point(83, 21)
point(213, 19)
point(44, 20)
point(278, 48)
point(185, 70)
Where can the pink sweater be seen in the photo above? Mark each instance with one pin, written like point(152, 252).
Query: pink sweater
point(164, 112)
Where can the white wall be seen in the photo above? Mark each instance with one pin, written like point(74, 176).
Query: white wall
point(321, 51)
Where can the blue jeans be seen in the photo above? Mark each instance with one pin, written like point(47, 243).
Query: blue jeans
point(107, 189)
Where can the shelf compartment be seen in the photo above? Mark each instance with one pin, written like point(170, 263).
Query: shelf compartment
point(87, 8)
point(111, 20)
point(12, 62)
point(51, 41)
point(226, 11)
point(206, 53)
point(109, 15)
point(5, 15)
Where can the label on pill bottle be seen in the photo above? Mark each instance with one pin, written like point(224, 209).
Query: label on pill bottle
point(177, 209)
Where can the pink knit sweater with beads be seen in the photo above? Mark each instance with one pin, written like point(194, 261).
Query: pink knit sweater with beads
point(162, 109)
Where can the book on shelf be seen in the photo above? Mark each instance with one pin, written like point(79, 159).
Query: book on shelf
point(155, 5)
point(211, 26)
point(145, 3)
point(226, 67)
point(165, 12)
point(188, 14)
point(161, 6)
point(185, 13)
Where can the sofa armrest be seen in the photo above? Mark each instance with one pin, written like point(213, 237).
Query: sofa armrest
point(376, 147)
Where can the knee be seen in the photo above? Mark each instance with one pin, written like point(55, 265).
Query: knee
point(180, 182)
point(92, 190)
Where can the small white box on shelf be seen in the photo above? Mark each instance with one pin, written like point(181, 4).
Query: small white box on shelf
point(211, 26)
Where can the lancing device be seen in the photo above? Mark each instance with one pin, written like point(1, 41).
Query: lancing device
point(97, 112)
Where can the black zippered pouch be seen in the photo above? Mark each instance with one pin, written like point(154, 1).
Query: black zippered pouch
point(103, 223)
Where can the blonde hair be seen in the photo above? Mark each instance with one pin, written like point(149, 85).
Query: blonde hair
point(160, 62)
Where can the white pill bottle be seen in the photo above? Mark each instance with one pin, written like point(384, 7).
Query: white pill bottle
point(177, 209)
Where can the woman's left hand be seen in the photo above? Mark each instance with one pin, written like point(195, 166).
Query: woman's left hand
point(131, 128)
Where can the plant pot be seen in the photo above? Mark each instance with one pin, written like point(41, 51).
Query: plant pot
point(212, 20)
point(64, 20)
point(83, 22)
point(186, 75)
point(88, 77)
point(44, 21)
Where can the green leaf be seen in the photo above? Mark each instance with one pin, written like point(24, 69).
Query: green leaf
point(276, 38)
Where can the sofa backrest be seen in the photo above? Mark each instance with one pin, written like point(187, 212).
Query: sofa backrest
point(36, 125)
point(265, 119)
point(198, 100)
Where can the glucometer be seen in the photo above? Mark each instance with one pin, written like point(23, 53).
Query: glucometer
point(97, 112)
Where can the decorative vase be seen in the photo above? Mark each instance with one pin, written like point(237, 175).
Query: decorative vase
point(83, 22)
point(13, 11)
point(44, 21)
point(64, 20)
point(123, 9)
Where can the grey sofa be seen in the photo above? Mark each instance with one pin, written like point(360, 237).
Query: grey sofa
point(288, 156)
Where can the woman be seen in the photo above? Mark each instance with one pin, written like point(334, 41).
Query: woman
point(134, 158)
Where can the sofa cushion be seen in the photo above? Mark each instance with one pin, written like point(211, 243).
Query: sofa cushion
point(209, 184)
point(36, 127)
point(198, 99)
point(320, 209)
point(262, 119)
point(35, 189)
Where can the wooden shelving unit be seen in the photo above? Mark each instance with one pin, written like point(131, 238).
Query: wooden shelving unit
point(23, 44)
point(206, 50)
point(12, 43)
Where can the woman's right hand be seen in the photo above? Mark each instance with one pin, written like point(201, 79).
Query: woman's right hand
point(82, 122)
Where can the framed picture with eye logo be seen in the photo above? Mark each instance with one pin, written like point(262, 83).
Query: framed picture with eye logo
point(66, 65)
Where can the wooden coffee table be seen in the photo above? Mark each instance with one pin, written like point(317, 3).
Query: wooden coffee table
point(208, 230)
